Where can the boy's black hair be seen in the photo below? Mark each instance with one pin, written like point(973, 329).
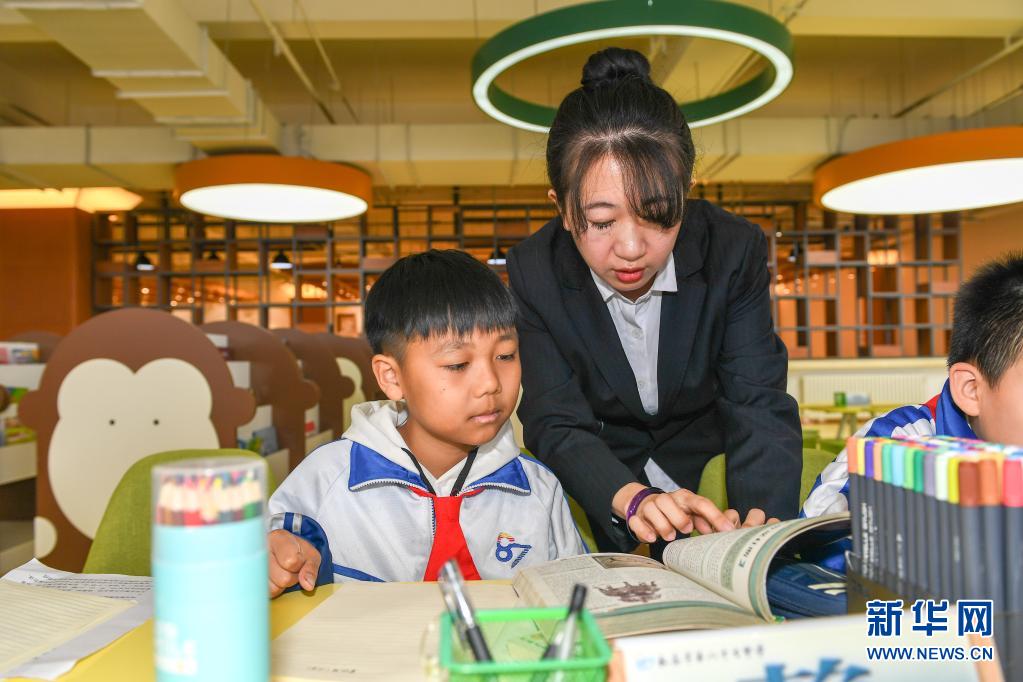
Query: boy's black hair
point(987, 330)
point(619, 113)
point(436, 292)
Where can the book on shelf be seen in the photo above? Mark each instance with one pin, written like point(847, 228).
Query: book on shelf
point(18, 353)
point(12, 430)
point(262, 441)
point(709, 581)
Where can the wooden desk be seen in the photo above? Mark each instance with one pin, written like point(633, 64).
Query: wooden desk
point(849, 413)
point(130, 659)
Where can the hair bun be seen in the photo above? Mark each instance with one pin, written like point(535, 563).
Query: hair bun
point(613, 65)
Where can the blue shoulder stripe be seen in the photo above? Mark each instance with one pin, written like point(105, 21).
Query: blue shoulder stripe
point(367, 466)
point(511, 475)
point(886, 424)
point(355, 574)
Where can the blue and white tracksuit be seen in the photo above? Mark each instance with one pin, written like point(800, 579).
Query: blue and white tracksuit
point(353, 499)
point(939, 416)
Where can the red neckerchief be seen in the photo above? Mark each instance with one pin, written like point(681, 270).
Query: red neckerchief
point(448, 539)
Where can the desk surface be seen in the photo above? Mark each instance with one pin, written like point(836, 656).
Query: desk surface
point(130, 659)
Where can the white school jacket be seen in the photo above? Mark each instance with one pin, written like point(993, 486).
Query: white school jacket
point(352, 500)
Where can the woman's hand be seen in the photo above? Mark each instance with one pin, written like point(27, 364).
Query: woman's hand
point(664, 515)
point(755, 517)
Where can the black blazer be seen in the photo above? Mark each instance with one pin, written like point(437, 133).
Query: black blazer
point(721, 373)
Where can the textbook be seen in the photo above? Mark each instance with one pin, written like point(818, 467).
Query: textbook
point(709, 581)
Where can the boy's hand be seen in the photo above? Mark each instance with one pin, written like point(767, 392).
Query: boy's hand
point(755, 517)
point(292, 560)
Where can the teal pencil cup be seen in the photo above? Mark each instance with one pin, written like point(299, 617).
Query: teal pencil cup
point(212, 610)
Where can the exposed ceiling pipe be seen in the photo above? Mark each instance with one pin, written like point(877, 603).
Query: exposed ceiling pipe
point(1015, 92)
point(282, 45)
point(335, 83)
point(790, 14)
point(1010, 47)
point(158, 56)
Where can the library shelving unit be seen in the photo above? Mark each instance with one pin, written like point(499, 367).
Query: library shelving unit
point(17, 476)
point(283, 396)
point(353, 357)
point(206, 270)
point(841, 285)
point(318, 365)
point(859, 286)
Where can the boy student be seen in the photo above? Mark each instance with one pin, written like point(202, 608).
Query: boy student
point(983, 396)
point(434, 473)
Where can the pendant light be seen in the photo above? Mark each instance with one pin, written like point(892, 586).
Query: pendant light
point(497, 257)
point(281, 261)
point(954, 171)
point(143, 263)
point(610, 19)
point(268, 188)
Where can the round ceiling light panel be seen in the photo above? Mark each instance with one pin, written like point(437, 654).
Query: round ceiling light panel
point(611, 19)
point(954, 171)
point(272, 189)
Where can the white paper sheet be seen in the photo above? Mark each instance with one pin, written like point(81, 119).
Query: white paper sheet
point(37, 619)
point(370, 632)
point(59, 660)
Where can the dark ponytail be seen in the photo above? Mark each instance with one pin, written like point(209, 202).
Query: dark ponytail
point(620, 113)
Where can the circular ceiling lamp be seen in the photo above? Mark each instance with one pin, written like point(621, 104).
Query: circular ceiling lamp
point(953, 171)
point(609, 19)
point(272, 189)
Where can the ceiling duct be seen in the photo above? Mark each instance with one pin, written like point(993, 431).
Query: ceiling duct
point(158, 56)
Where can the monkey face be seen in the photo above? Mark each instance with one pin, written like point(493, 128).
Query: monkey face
point(112, 416)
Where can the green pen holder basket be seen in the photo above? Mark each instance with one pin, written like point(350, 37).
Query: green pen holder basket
point(517, 639)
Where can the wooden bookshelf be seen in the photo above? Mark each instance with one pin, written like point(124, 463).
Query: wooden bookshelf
point(209, 270)
point(841, 285)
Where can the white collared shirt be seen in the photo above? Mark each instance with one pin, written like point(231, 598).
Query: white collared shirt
point(639, 326)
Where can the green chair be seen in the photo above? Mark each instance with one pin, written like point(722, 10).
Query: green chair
point(122, 539)
point(811, 438)
point(832, 445)
point(583, 524)
point(712, 482)
point(578, 515)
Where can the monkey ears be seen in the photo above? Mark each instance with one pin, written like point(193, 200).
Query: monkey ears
point(238, 407)
point(32, 410)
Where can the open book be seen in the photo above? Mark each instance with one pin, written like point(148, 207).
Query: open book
point(708, 581)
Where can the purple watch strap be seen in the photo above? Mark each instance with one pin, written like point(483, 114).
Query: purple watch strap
point(637, 500)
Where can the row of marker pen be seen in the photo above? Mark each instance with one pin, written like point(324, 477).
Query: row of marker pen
point(939, 517)
point(205, 498)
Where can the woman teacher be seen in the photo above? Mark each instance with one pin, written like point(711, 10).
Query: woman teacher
point(645, 325)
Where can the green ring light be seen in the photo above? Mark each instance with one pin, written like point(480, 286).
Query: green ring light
point(711, 19)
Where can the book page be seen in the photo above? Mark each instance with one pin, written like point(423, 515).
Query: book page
point(36, 619)
point(734, 563)
point(615, 581)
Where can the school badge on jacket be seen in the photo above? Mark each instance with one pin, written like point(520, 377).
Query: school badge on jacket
point(509, 550)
